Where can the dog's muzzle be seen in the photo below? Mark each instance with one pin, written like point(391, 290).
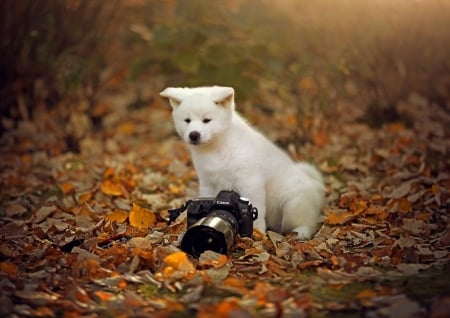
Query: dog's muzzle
point(194, 137)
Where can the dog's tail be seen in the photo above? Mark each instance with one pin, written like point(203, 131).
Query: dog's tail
point(310, 171)
point(304, 202)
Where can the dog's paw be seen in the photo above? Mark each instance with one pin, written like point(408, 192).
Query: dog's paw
point(304, 232)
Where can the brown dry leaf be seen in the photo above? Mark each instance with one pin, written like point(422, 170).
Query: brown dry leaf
point(141, 217)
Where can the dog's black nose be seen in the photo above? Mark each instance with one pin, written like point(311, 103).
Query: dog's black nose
point(194, 137)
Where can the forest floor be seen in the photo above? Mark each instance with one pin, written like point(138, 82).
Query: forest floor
point(85, 193)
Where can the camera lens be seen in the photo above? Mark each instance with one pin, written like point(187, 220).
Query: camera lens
point(215, 232)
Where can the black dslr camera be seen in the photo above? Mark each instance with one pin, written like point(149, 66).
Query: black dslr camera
point(213, 223)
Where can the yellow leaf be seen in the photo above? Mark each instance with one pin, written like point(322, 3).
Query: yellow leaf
point(117, 216)
point(111, 187)
point(141, 217)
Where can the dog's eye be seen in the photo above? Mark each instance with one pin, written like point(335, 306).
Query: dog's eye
point(187, 120)
point(206, 120)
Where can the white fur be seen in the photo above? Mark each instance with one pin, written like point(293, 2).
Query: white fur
point(230, 154)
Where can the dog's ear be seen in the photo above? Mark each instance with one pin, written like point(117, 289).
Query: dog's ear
point(224, 96)
point(174, 94)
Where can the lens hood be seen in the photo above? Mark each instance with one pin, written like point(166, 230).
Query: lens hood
point(213, 232)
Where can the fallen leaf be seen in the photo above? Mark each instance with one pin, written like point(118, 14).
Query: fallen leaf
point(340, 218)
point(366, 293)
point(117, 216)
point(83, 197)
point(141, 217)
point(66, 188)
point(212, 259)
point(104, 296)
point(179, 261)
point(43, 212)
point(8, 268)
point(111, 187)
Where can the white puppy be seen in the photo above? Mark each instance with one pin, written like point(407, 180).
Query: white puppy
point(229, 154)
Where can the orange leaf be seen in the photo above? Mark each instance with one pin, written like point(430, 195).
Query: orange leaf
point(176, 189)
point(108, 173)
point(104, 296)
point(404, 205)
point(127, 128)
point(378, 212)
point(117, 216)
point(436, 189)
point(216, 263)
point(340, 218)
point(308, 85)
point(66, 188)
point(144, 254)
point(111, 187)
point(9, 268)
point(334, 260)
point(179, 261)
point(84, 197)
point(141, 217)
point(291, 119)
point(366, 293)
point(320, 138)
point(225, 308)
point(235, 283)
point(358, 206)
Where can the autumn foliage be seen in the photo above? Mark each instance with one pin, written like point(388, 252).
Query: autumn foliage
point(85, 183)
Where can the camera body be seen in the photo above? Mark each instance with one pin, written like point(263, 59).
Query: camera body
point(213, 223)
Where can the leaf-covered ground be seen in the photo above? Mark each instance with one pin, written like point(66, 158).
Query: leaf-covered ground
point(85, 193)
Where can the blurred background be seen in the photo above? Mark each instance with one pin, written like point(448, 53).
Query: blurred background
point(301, 53)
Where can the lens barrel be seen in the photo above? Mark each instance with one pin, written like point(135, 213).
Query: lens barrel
point(215, 232)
